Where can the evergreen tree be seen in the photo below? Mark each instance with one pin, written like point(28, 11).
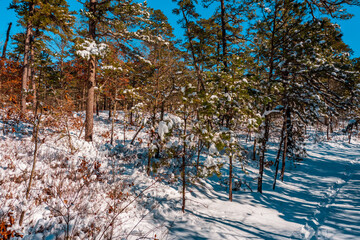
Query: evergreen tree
point(38, 15)
point(299, 56)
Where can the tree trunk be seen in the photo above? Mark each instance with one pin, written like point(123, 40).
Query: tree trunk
point(149, 158)
point(288, 137)
point(25, 75)
point(327, 123)
point(277, 162)
point(230, 177)
point(137, 132)
point(331, 125)
point(262, 153)
point(162, 110)
point(266, 130)
point(110, 110)
point(113, 120)
point(198, 157)
point(254, 150)
point(223, 35)
point(7, 40)
point(183, 168)
point(89, 121)
point(36, 127)
point(200, 85)
point(284, 158)
point(31, 75)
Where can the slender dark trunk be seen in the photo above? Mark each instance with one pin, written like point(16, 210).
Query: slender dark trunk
point(110, 109)
point(254, 150)
point(113, 120)
point(269, 83)
point(264, 140)
point(183, 168)
point(331, 125)
point(227, 116)
point(137, 132)
point(6, 40)
point(327, 132)
point(162, 110)
point(36, 127)
point(327, 122)
point(131, 122)
point(284, 158)
point(201, 85)
point(277, 162)
point(149, 162)
point(97, 104)
point(288, 137)
point(223, 36)
point(198, 157)
point(230, 177)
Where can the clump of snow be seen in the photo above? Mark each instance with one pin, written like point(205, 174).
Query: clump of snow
point(268, 10)
point(91, 48)
point(163, 129)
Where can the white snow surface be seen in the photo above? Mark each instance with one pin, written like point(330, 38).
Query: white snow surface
point(319, 198)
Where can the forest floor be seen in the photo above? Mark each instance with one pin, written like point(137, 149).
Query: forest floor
point(319, 198)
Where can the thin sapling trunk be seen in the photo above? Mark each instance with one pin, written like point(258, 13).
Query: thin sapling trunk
point(36, 127)
point(230, 176)
point(278, 154)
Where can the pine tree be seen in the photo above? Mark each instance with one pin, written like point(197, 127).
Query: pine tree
point(299, 57)
point(119, 23)
point(47, 16)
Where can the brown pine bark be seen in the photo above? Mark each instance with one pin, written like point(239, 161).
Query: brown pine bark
point(31, 75)
point(89, 120)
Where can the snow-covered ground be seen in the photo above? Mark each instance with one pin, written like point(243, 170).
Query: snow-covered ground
point(319, 198)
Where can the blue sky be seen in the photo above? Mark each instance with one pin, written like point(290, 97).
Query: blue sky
point(350, 28)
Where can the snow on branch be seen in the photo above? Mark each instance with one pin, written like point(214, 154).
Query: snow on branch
point(88, 49)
